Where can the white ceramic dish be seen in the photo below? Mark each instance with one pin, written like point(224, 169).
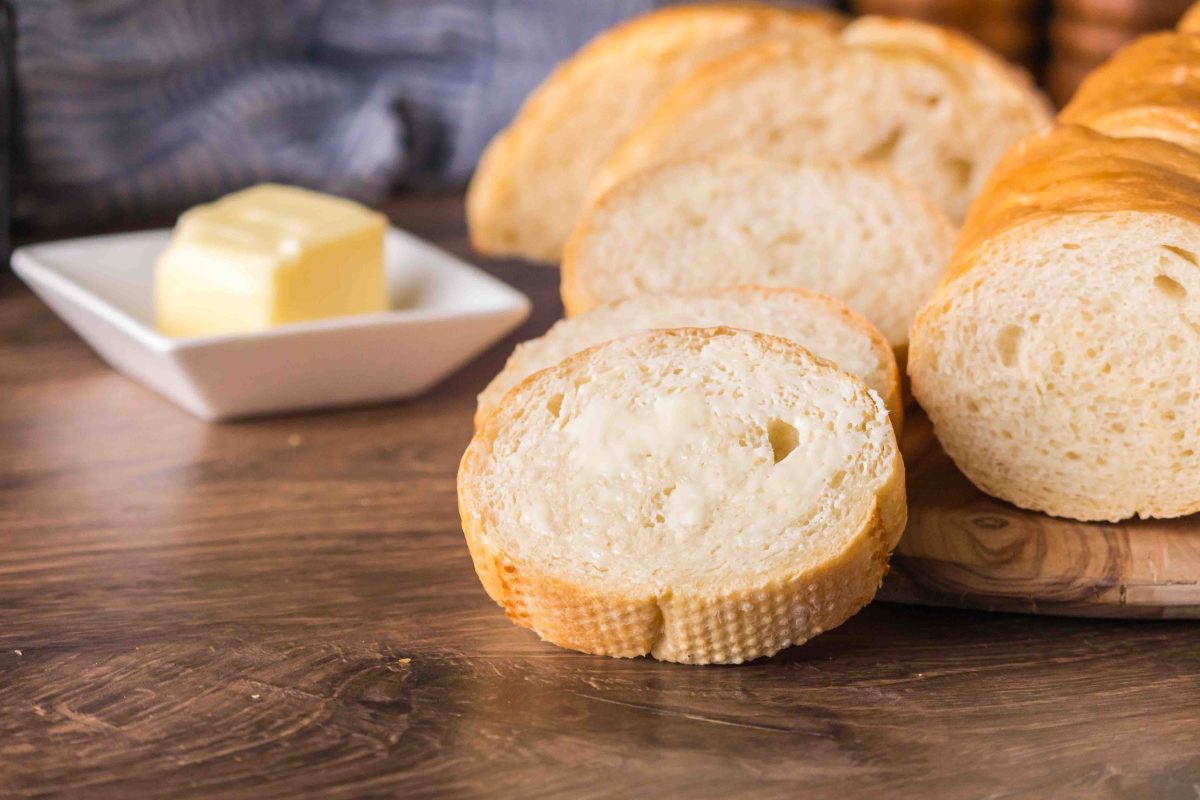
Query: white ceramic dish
point(446, 312)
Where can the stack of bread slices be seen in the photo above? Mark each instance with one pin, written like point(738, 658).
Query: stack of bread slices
point(750, 205)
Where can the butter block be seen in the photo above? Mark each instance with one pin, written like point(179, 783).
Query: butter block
point(269, 255)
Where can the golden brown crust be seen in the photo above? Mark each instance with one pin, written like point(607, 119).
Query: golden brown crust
point(1074, 170)
point(1150, 88)
point(737, 625)
point(495, 226)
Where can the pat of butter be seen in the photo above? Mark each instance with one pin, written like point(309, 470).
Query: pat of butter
point(268, 255)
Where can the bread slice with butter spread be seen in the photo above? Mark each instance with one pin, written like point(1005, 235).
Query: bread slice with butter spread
point(699, 495)
point(823, 325)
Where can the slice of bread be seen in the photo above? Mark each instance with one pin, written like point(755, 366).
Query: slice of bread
point(702, 496)
point(1146, 90)
point(938, 108)
point(1057, 361)
point(856, 232)
point(821, 324)
point(532, 180)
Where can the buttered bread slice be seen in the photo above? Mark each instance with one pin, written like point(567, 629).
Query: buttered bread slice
point(856, 232)
point(699, 495)
point(821, 324)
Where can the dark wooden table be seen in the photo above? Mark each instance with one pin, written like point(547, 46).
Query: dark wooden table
point(285, 608)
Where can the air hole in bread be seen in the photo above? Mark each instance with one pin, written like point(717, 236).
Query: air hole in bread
point(960, 170)
point(1070, 246)
point(1072, 455)
point(1186, 255)
point(554, 405)
point(1008, 344)
point(1057, 359)
point(1174, 343)
point(886, 147)
point(787, 238)
point(1169, 287)
point(783, 437)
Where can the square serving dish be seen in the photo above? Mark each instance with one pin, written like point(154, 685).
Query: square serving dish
point(445, 311)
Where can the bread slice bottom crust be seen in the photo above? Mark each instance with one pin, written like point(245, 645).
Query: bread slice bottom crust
point(733, 628)
point(781, 609)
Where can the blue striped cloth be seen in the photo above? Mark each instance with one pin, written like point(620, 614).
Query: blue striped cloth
point(135, 105)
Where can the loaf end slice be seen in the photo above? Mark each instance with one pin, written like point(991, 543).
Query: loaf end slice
point(1057, 359)
point(702, 496)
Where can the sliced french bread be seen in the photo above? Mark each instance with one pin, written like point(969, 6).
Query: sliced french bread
point(937, 107)
point(821, 324)
point(699, 495)
point(853, 231)
point(532, 180)
point(1058, 359)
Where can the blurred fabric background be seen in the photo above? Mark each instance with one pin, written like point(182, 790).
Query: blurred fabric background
point(128, 106)
point(131, 105)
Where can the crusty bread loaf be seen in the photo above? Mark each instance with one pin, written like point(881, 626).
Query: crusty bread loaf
point(938, 108)
point(854, 231)
point(821, 324)
point(1058, 359)
point(532, 180)
point(702, 496)
point(1145, 90)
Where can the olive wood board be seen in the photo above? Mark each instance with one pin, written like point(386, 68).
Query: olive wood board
point(966, 549)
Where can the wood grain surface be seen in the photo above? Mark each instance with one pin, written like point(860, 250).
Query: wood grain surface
point(285, 608)
point(963, 548)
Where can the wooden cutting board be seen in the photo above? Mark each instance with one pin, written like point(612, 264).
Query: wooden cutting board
point(964, 548)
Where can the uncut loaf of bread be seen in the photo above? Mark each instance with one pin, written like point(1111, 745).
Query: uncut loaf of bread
point(532, 180)
point(821, 324)
point(934, 105)
point(1058, 359)
point(853, 231)
point(699, 495)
